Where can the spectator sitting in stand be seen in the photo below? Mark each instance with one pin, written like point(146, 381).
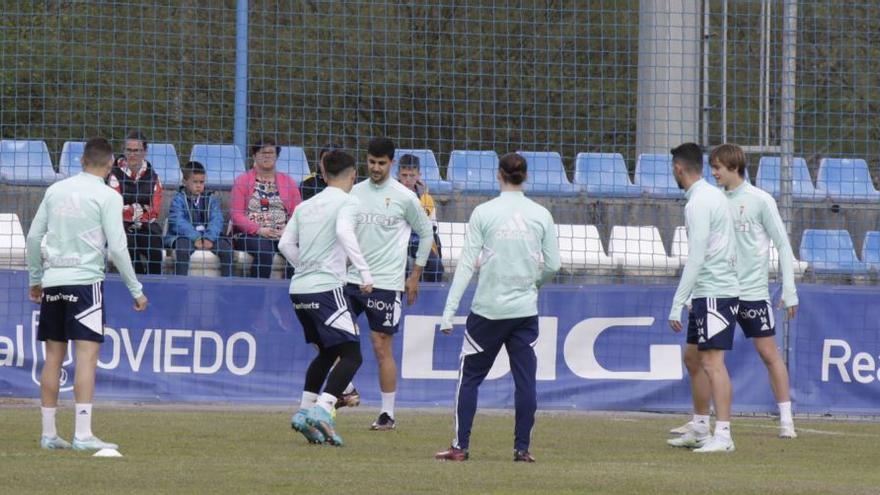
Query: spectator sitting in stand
point(133, 177)
point(409, 174)
point(263, 200)
point(195, 221)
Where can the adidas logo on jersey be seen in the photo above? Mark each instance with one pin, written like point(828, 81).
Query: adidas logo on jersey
point(70, 207)
point(515, 229)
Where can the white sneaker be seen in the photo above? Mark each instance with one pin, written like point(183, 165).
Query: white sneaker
point(717, 444)
point(786, 430)
point(681, 430)
point(690, 440)
point(53, 443)
point(93, 443)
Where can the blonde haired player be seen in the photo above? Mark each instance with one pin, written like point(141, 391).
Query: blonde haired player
point(756, 222)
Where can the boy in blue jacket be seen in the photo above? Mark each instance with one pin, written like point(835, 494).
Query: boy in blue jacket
point(195, 221)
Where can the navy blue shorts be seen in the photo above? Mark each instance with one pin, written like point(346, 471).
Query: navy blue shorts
point(711, 321)
point(482, 334)
point(756, 319)
point(72, 312)
point(325, 317)
point(382, 307)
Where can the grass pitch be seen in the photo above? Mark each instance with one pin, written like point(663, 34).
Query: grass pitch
point(192, 449)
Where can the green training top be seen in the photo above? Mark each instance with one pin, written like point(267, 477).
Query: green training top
point(78, 217)
point(507, 237)
point(756, 221)
point(319, 238)
point(388, 213)
point(710, 270)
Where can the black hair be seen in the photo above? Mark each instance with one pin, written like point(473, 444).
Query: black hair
point(327, 148)
point(689, 155)
point(409, 161)
point(136, 135)
point(192, 168)
point(264, 142)
point(381, 146)
point(336, 162)
point(513, 168)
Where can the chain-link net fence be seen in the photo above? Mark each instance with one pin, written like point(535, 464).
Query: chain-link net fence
point(596, 92)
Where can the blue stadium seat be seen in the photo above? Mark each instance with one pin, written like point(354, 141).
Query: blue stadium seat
point(223, 163)
point(293, 162)
point(604, 174)
point(830, 251)
point(846, 179)
point(26, 163)
point(769, 177)
point(473, 171)
point(547, 174)
point(707, 172)
point(654, 176)
point(71, 152)
point(871, 249)
point(163, 158)
point(429, 168)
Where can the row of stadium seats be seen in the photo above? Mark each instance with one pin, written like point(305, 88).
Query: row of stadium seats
point(637, 250)
point(640, 251)
point(596, 174)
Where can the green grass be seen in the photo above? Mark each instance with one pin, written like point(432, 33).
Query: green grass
point(174, 450)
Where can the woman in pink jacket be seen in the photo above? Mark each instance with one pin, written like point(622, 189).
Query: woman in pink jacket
point(263, 199)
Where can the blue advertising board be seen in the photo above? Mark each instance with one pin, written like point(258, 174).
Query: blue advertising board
point(605, 347)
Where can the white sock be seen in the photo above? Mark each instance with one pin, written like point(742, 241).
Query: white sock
point(48, 414)
point(785, 413)
point(701, 423)
point(83, 421)
point(722, 429)
point(388, 403)
point(308, 400)
point(327, 402)
point(349, 389)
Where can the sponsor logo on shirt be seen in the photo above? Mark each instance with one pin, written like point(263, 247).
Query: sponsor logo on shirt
point(69, 207)
point(515, 229)
point(377, 219)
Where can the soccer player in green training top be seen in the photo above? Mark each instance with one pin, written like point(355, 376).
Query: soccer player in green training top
point(709, 283)
point(510, 235)
point(389, 211)
point(756, 222)
point(317, 241)
point(77, 217)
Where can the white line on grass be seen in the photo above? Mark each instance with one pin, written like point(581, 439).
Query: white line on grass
point(811, 430)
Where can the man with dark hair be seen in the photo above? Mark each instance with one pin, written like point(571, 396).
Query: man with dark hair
point(195, 221)
point(409, 174)
point(388, 213)
point(317, 241)
point(709, 286)
point(141, 189)
point(504, 312)
point(77, 217)
point(756, 222)
point(314, 183)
